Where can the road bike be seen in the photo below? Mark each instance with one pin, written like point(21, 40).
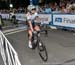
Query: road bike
point(37, 43)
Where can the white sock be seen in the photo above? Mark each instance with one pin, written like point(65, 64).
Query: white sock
point(30, 44)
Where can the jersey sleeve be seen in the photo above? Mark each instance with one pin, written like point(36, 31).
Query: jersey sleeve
point(28, 17)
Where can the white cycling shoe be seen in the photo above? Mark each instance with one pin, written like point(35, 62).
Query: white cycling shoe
point(30, 45)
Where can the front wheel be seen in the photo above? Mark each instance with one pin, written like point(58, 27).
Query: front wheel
point(42, 51)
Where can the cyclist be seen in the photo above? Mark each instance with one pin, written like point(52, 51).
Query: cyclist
point(31, 16)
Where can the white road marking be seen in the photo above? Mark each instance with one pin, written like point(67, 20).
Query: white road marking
point(74, 34)
point(11, 30)
point(14, 32)
point(6, 26)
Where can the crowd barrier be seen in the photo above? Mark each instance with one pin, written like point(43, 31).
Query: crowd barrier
point(5, 15)
point(9, 55)
point(64, 20)
point(53, 19)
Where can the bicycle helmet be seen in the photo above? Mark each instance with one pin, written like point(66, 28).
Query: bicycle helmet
point(30, 7)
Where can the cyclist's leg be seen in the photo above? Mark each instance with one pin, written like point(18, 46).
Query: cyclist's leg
point(37, 28)
point(30, 37)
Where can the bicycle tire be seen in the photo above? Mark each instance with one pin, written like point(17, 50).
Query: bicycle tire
point(34, 45)
point(44, 58)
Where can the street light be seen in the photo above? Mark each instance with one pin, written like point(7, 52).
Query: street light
point(11, 5)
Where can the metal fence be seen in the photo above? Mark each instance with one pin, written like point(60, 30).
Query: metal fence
point(9, 55)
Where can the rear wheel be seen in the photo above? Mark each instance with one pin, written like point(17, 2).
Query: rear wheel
point(42, 51)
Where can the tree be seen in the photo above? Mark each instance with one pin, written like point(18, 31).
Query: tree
point(4, 5)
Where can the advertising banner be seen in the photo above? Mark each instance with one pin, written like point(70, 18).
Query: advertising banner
point(5, 15)
point(66, 20)
point(45, 18)
point(20, 17)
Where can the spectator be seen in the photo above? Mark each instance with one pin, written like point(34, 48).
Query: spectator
point(63, 9)
point(48, 9)
point(0, 23)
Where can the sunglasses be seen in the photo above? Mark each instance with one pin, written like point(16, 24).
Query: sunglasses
point(34, 9)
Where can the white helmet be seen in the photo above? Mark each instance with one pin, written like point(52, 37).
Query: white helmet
point(30, 7)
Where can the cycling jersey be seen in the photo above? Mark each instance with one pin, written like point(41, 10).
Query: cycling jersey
point(31, 18)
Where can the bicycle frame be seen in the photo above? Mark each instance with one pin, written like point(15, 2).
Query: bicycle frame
point(40, 48)
point(37, 36)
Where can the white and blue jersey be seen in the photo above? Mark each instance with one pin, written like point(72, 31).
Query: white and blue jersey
point(31, 17)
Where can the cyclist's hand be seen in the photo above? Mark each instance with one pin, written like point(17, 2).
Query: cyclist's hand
point(34, 32)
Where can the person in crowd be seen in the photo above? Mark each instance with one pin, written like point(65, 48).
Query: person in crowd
point(48, 9)
point(0, 22)
point(63, 9)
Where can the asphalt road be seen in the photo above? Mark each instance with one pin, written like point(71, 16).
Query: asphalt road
point(60, 47)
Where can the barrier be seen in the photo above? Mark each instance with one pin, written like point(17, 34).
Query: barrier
point(45, 18)
point(5, 15)
point(20, 16)
point(64, 20)
point(54, 19)
point(8, 53)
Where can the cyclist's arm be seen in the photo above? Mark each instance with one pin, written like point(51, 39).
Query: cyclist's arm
point(29, 21)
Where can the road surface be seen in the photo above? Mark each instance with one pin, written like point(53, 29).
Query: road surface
point(60, 47)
